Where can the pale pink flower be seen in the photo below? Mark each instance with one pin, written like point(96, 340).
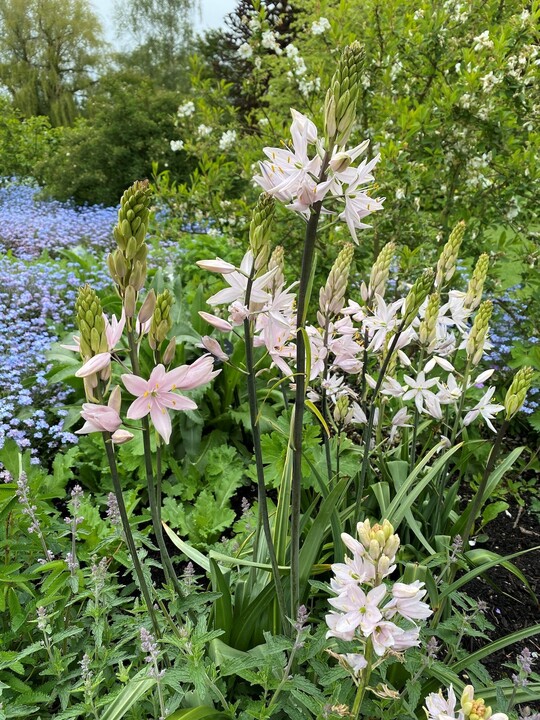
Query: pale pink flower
point(406, 600)
point(485, 408)
point(213, 347)
point(156, 395)
point(332, 620)
point(355, 661)
point(440, 708)
point(424, 399)
point(384, 636)
point(407, 639)
point(217, 322)
point(359, 609)
point(238, 281)
point(121, 436)
point(218, 266)
point(353, 571)
point(100, 418)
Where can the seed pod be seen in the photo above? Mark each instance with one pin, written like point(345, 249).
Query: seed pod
point(517, 392)
point(446, 266)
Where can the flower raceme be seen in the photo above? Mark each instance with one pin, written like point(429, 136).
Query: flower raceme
point(293, 177)
point(157, 395)
point(371, 614)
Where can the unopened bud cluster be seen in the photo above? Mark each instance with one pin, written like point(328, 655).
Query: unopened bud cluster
point(381, 545)
point(517, 392)
point(427, 332)
point(342, 96)
point(277, 260)
point(127, 264)
point(259, 230)
point(477, 336)
point(91, 324)
point(473, 296)
point(379, 273)
point(446, 266)
point(416, 296)
point(161, 319)
point(342, 411)
point(332, 295)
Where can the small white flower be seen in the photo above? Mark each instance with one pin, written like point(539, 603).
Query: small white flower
point(485, 408)
point(245, 51)
point(186, 109)
point(318, 27)
point(177, 145)
point(227, 140)
point(203, 130)
point(400, 194)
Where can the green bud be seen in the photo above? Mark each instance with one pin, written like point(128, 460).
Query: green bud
point(170, 350)
point(416, 296)
point(380, 271)
point(479, 331)
point(130, 301)
point(517, 392)
point(161, 322)
point(476, 283)
point(259, 230)
point(89, 316)
point(332, 295)
point(446, 266)
point(147, 308)
point(342, 414)
point(277, 260)
point(342, 96)
point(427, 332)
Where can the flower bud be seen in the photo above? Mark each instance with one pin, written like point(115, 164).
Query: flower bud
point(340, 162)
point(332, 295)
point(473, 295)
point(130, 301)
point(128, 262)
point(161, 321)
point(342, 412)
point(477, 336)
point(446, 266)
point(416, 296)
point(259, 230)
point(89, 316)
point(342, 96)
point(374, 550)
point(115, 399)
point(427, 332)
point(218, 265)
point(277, 260)
point(119, 437)
point(147, 308)
point(217, 322)
point(515, 397)
point(170, 350)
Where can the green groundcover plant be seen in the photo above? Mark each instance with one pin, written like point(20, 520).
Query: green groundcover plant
point(340, 592)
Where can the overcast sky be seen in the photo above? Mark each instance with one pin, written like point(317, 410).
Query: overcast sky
point(211, 16)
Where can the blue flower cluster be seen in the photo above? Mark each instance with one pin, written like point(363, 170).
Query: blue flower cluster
point(29, 226)
point(36, 303)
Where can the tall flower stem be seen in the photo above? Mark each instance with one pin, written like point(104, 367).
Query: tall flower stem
point(368, 428)
point(300, 395)
point(127, 531)
point(415, 424)
point(155, 507)
point(363, 683)
point(257, 449)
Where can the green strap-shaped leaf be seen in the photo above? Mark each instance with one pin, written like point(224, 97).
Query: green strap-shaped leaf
point(136, 688)
point(199, 713)
point(495, 646)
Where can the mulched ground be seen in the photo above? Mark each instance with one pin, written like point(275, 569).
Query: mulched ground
point(510, 605)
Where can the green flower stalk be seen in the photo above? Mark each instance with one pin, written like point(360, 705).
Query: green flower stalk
point(161, 319)
point(332, 295)
point(259, 230)
point(380, 271)
point(515, 397)
point(479, 331)
point(427, 332)
point(417, 295)
point(446, 266)
point(342, 96)
point(473, 296)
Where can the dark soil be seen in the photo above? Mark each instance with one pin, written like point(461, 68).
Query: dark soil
point(511, 606)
